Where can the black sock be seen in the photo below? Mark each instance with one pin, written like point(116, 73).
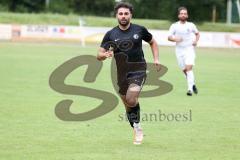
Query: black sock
point(133, 115)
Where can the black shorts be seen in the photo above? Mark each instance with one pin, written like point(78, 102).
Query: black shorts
point(137, 78)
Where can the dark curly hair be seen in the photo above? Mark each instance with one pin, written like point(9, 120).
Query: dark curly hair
point(181, 8)
point(123, 5)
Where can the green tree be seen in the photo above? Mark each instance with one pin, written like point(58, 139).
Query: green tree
point(60, 6)
point(23, 5)
point(93, 7)
point(162, 9)
point(198, 10)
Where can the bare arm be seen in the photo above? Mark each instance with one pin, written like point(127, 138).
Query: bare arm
point(103, 54)
point(174, 39)
point(197, 38)
point(154, 47)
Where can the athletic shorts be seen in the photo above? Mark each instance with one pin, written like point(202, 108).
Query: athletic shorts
point(137, 77)
point(185, 56)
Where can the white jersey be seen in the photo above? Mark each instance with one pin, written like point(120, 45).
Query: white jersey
point(186, 31)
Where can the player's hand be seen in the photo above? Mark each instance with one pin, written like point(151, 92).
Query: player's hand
point(157, 65)
point(108, 54)
point(104, 54)
point(178, 39)
point(194, 43)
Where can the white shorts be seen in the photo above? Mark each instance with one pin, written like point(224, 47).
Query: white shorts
point(185, 56)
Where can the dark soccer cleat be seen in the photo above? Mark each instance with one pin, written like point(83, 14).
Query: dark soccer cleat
point(195, 90)
point(189, 93)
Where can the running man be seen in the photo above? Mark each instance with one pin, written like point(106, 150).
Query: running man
point(124, 42)
point(186, 36)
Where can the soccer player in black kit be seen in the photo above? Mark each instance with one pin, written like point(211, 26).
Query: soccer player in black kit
point(124, 42)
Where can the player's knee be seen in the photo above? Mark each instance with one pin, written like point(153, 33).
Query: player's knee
point(188, 68)
point(131, 101)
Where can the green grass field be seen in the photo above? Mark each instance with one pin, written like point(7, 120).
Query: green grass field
point(30, 130)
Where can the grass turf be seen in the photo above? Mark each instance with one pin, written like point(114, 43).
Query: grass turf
point(30, 130)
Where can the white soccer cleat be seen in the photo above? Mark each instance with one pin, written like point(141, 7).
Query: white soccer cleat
point(138, 134)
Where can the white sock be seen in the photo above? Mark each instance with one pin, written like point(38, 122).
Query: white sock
point(137, 125)
point(190, 80)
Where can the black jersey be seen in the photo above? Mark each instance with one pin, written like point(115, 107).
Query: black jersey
point(127, 47)
point(128, 42)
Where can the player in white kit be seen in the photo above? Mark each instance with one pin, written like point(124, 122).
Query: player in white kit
point(186, 36)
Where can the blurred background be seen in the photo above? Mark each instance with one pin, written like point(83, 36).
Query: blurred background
point(204, 10)
point(38, 36)
point(53, 20)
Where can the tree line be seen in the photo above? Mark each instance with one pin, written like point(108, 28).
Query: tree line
point(199, 10)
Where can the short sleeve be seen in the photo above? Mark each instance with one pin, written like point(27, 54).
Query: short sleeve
point(194, 28)
point(171, 31)
point(146, 36)
point(106, 39)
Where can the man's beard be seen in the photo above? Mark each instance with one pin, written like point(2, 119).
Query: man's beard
point(123, 24)
point(183, 19)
